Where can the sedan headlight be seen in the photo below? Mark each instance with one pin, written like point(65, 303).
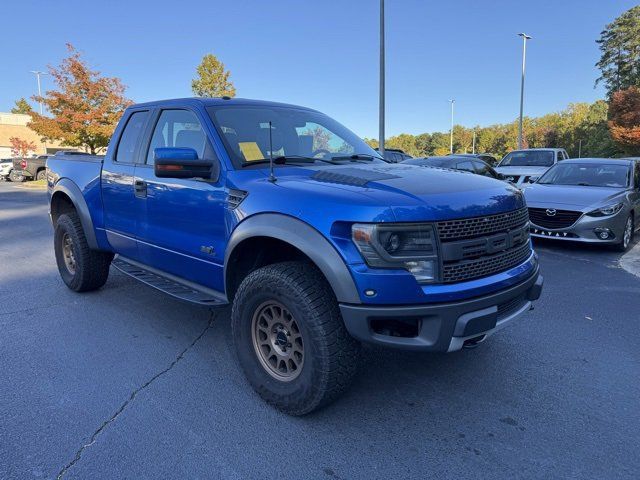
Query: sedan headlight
point(606, 211)
point(411, 247)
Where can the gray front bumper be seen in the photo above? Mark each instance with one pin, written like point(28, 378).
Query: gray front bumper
point(583, 229)
point(444, 327)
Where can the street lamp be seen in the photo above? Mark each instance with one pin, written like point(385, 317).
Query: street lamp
point(525, 37)
point(381, 101)
point(37, 73)
point(452, 101)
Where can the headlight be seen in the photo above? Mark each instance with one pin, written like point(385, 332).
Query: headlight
point(606, 211)
point(401, 246)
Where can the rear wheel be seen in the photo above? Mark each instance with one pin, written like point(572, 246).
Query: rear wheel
point(290, 339)
point(627, 235)
point(16, 177)
point(81, 268)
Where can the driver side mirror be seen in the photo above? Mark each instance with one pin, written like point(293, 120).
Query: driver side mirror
point(532, 179)
point(180, 162)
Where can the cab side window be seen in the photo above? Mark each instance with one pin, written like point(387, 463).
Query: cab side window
point(483, 169)
point(178, 128)
point(465, 166)
point(126, 150)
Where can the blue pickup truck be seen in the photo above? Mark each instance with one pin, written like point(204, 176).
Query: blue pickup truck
point(317, 243)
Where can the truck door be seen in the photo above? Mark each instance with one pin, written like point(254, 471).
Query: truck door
point(118, 192)
point(182, 221)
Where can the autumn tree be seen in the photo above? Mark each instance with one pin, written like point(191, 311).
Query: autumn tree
point(22, 107)
point(85, 107)
point(620, 52)
point(212, 80)
point(624, 119)
point(21, 147)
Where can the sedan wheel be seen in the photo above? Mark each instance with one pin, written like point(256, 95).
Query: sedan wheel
point(627, 235)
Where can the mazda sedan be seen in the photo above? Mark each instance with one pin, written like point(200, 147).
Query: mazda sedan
point(594, 200)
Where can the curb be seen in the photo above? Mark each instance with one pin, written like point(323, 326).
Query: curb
point(630, 261)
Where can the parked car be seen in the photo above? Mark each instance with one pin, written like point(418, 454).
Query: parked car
point(317, 250)
point(485, 157)
point(457, 162)
point(6, 165)
point(27, 168)
point(394, 155)
point(523, 166)
point(593, 200)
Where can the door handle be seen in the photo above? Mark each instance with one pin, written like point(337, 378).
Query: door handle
point(140, 188)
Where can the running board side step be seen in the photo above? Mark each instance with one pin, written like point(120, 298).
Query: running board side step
point(169, 284)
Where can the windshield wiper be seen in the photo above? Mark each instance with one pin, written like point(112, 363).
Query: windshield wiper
point(281, 160)
point(356, 156)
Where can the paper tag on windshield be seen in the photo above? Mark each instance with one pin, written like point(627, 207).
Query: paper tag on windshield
point(251, 151)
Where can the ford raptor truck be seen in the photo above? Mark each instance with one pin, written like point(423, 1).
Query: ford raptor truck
point(316, 242)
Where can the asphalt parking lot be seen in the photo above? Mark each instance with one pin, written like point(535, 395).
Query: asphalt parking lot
point(127, 383)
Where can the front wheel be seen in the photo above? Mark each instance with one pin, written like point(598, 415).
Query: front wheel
point(290, 339)
point(16, 176)
point(81, 268)
point(42, 175)
point(627, 235)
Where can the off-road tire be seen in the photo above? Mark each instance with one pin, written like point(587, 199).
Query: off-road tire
point(41, 175)
point(330, 353)
point(16, 177)
point(91, 266)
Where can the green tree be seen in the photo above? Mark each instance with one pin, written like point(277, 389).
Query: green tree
point(620, 52)
point(212, 80)
point(22, 107)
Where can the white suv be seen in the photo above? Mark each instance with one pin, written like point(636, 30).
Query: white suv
point(524, 166)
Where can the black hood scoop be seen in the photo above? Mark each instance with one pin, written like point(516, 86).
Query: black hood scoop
point(358, 177)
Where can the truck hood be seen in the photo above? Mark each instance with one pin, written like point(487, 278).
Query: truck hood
point(380, 192)
point(519, 171)
point(573, 196)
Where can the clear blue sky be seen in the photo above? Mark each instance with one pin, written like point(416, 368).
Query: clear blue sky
point(324, 54)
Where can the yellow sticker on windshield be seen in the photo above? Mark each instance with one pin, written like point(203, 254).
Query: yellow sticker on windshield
point(251, 151)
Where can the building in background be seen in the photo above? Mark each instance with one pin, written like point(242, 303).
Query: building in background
point(15, 125)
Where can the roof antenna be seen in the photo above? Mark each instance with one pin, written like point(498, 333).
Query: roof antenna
point(272, 177)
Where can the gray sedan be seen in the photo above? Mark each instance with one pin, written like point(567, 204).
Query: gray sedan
point(592, 200)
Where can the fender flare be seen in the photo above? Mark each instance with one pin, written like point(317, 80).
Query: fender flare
point(71, 190)
point(306, 239)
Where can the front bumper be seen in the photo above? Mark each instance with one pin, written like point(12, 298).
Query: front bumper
point(583, 230)
point(444, 327)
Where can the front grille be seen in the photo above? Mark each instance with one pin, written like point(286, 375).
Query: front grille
point(486, 265)
point(561, 219)
point(479, 226)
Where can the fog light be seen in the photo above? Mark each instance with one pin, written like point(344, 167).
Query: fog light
point(603, 233)
point(370, 293)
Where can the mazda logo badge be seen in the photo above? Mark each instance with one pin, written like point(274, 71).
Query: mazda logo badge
point(551, 212)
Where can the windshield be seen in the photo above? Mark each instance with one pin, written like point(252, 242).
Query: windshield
point(530, 158)
point(587, 174)
point(295, 133)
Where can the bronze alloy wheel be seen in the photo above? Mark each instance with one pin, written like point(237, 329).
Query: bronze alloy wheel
point(277, 341)
point(68, 255)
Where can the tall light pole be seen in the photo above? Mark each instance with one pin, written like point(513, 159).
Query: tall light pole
point(452, 101)
point(474, 142)
point(381, 101)
point(525, 37)
point(37, 73)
